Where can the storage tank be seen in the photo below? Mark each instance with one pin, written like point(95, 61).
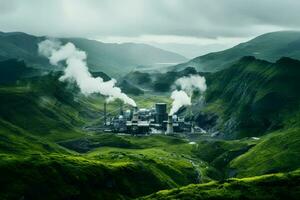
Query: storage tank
point(161, 112)
point(170, 129)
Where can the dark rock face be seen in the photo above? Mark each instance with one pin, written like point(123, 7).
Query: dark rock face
point(206, 121)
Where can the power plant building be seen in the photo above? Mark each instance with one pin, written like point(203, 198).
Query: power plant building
point(146, 121)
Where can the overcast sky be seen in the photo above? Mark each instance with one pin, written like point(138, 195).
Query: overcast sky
point(189, 27)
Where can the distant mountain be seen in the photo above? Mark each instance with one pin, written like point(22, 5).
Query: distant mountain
point(269, 47)
point(157, 82)
point(113, 59)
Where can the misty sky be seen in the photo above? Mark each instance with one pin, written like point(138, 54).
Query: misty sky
point(189, 27)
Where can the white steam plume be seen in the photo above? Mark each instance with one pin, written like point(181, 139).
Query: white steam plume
point(192, 82)
point(187, 84)
point(180, 98)
point(77, 70)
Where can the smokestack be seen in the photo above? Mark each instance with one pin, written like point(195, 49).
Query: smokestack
point(161, 112)
point(135, 114)
point(170, 125)
point(193, 127)
point(104, 110)
point(121, 109)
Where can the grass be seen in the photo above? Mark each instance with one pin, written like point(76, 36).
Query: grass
point(61, 177)
point(103, 173)
point(274, 186)
point(276, 152)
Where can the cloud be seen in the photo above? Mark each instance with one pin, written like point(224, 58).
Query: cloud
point(191, 83)
point(210, 19)
point(205, 18)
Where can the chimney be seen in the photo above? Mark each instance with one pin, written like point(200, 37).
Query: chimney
point(104, 110)
point(193, 127)
point(170, 125)
point(121, 109)
point(135, 114)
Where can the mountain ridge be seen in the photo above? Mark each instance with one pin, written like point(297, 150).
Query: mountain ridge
point(269, 46)
point(111, 58)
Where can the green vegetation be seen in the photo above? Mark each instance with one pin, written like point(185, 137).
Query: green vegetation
point(254, 96)
point(273, 186)
point(277, 152)
point(73, 177)
point(116, 167)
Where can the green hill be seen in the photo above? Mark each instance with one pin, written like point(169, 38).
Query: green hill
point(270, 47)
point(258, 100)
point(253, 97)
point(113, 59)
point(275, 186)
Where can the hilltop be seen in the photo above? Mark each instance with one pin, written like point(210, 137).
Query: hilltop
point(270, 47)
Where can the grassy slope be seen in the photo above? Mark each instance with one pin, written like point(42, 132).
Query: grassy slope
point(274, 186)
point(38, 113)
point(277, 152)
point(136, 167)
point(76, 177)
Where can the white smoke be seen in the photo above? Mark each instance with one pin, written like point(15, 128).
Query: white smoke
point(191, 83)
point(187, 84)
point(77, 70)
point(180, 98)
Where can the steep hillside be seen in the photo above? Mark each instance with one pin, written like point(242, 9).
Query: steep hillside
point(110, 58)
point(254, 96)
point(38, 113)
point(270, 47)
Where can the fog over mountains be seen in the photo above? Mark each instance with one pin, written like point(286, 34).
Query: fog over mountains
point(110, 58)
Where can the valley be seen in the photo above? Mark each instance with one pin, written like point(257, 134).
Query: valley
point(54, 144)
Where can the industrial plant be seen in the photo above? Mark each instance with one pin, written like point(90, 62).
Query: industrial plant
point(141, 121)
